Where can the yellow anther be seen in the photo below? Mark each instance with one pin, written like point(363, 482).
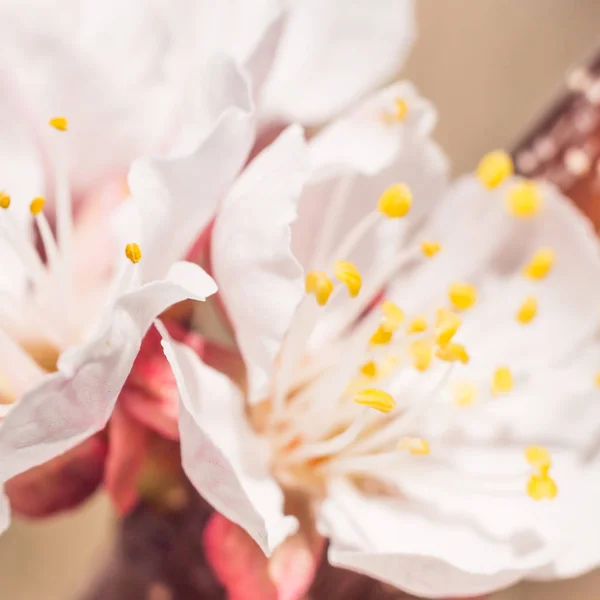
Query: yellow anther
point(377, 399)
point(401, 109)
point(597, 379)
point(542, 487)
point(540, 264)
point(59, 123)
point(37, 205)
point(430, 248)
point(494, 168)
point(318, 283)
point(4, 200)
point(381, 336)
point(452, 352)
point(422, 354)
point(465, 393)
point(417, 325)
point(447, 325)
point(347, 273)
point(416, 446)
point(524, 200)
point(133, 253)
point(462, 295)
point(369, 369)
point(502, 381)
point(396, 201)
point(527, 310)
point(538, 457)
point(393, 316)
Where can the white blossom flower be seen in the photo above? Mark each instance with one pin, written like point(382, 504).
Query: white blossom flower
point(124, 72)
point(68, 339)
point(420, 363)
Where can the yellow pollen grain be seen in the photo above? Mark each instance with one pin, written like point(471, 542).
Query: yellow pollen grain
point(369, 369)
point(4, 200)
point(462, 295)
point(542, 487)
point(429, 248)
point(527, 310)
point(502, 381)
point(37, 205)
point(396, 201)
point(422, 354)
point(318, 283)
point(417, 325)
point(447, 324)
point(453, 352)
point(381, 337)
point(464, 393)
point(393, 315)
point(348, 274)
point(416, 446)
point(540, 264)
point(59, 123)
point(494, 168)
point(538, 457)
point(133, 253)
point(524, 200)
point(401, 109)
point(377, 399)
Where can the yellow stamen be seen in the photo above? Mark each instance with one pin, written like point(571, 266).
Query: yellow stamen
point(396, 201)
point(318, 283)
point(401, 109)
point(37, 205)
point(538, 457)
point(527, 310)
point(416, 446)
point(494, 168)
point(59, 123)
point(347, 273)
point(429, 248)
point(597, 380)
point(393, 316)
point(417, 325)
point(4, 200)
point(465, 393)
point(381, 337)
point(369, 369)
point(452, 352)
point(462, 295)
point(542, 487)
point(377, 399)
point(447, 325)
point(133, 253)
point(524, 200)
point(540, 264)
point(422, 354)
point(502, 381)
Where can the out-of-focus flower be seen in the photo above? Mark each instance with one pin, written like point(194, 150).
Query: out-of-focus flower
point(68, 341)
point(126, 73)
point(420, 363)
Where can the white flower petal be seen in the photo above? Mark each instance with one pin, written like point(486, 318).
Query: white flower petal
point(363, 140)
point(220, 455)
point(76, 401)
point(420, 550)
point(179, 196)
point(334, 52)
point(259, 279)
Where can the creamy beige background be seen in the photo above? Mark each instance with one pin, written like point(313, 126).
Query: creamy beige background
point(489, 65)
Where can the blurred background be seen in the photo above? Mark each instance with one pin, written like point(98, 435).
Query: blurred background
point(490, 66)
